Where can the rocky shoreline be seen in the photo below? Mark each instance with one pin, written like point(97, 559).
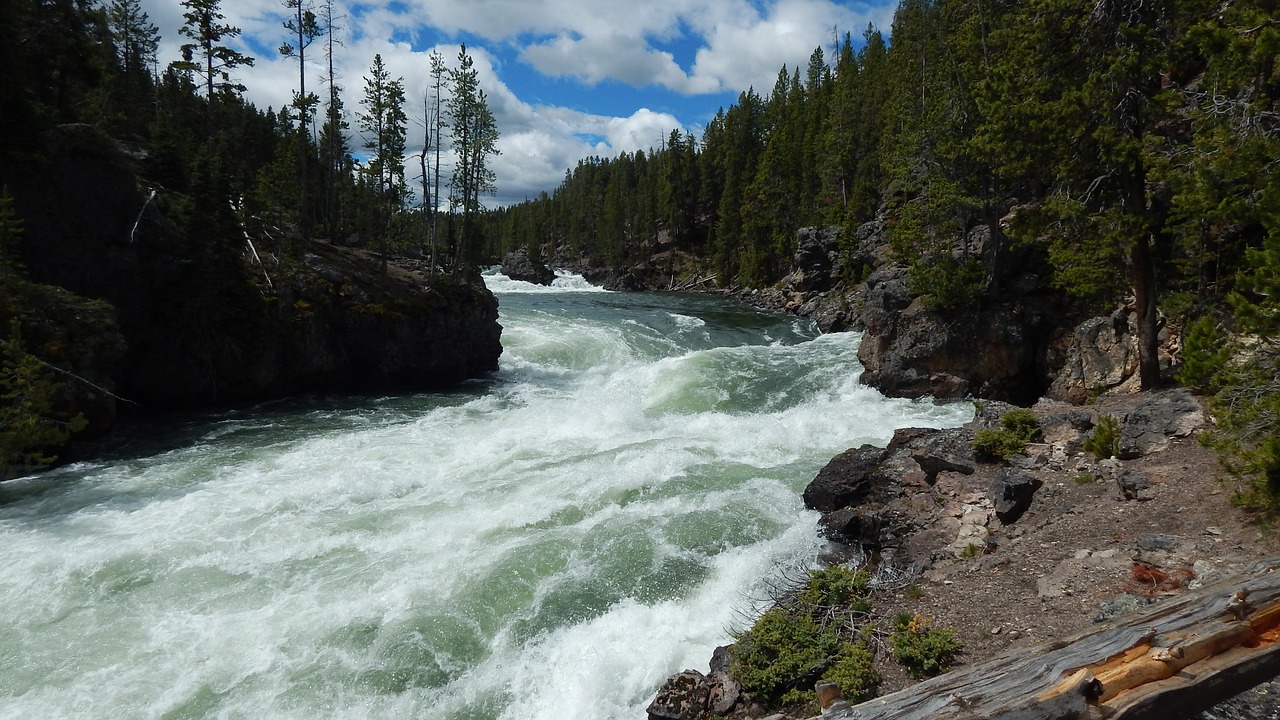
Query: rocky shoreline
point(142, 315)
point(1008, 552)
point(1019, 552)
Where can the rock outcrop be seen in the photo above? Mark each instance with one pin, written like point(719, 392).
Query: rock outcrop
point(205, 320)
point(517, 266)
point(912, 350)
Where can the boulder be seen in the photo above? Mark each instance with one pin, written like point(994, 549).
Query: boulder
point(1135, 485)
point(1158, 419)
point(1012, 491)
point(722, 694)
point(848, 479)
point(1102, 353)
point(517, 266)
point(945, 451)
point(683, 697)
point(865, 527)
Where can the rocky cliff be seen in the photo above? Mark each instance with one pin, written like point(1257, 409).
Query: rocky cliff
point(182, 319)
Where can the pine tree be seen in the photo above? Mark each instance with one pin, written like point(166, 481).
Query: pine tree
point(205, 56)
point(384, 124)
point(304, 28)
point(475, 139)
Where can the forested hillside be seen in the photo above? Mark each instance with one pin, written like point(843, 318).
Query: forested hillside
point(164, 243)
point(1112, 152)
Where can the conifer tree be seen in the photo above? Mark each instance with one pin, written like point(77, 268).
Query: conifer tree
point(384, 124)
point(205, 55)
point(304, 28)
point(475, 139)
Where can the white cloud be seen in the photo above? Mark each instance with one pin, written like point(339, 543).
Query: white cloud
point(739, 43)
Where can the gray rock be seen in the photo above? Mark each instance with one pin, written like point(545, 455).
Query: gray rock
point(683, 697)
point(863, 526)
point(817, 259)
point(516, 265)
point(723, 693)
point(946, 451)
point(1156, 420)
point(1012, 491)
point(1102, 354)
point(1135, 485)
point(1158, 541)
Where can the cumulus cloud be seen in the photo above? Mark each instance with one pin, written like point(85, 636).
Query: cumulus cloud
point(728, 46)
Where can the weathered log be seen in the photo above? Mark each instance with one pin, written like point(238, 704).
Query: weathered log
point(1175, 658)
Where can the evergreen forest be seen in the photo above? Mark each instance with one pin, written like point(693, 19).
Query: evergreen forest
point(1116, 152)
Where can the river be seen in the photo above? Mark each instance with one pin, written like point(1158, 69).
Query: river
point(548, 543)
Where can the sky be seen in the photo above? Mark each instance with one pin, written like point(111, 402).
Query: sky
point(565, 79)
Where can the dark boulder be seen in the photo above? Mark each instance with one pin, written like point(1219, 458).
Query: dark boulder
point(867, 527)
point(517, 266)
point(911, 350)
point(848, 479)
point(1012, 491)
point(945, 451)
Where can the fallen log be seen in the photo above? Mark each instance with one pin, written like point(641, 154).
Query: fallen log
point(1169, 661)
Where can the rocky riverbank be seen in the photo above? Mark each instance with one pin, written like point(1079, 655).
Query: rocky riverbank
point(147, 312)
point(1015, 553)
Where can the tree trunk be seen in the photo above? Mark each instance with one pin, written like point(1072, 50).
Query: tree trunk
point(1144, 291)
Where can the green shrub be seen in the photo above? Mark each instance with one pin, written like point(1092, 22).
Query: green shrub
point(997, 444)
point(782, 651)
point(1022, 423)
point(855, 674)
point(923, 650)
point(835, 585)
point(1104, 441)
point(1017, 428)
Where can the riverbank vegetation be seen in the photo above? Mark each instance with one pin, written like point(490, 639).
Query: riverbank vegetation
point(821, 629)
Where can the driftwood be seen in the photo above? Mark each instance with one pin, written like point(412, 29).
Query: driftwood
point(1177, 657)
point(689, 283)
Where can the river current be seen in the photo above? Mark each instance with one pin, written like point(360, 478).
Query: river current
point(548, 543)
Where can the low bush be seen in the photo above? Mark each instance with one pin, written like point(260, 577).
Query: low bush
point(1104, 441)
point(1017, 428)
point(821, 629)
point(923, 650)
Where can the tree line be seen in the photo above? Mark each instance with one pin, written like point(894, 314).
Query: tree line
point(274, 174)
point(1121, 150)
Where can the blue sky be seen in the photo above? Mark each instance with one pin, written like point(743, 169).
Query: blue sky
point(566, 79)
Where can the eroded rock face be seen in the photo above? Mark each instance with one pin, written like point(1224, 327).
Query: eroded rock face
point(848, 479)
point(910, 350)
point(1102, 353)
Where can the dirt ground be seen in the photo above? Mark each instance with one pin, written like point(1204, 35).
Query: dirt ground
point(1083, 547)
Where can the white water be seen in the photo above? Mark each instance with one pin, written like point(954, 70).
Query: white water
point(551, 543)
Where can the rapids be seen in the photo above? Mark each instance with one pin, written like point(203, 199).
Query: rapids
point(548, 543)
